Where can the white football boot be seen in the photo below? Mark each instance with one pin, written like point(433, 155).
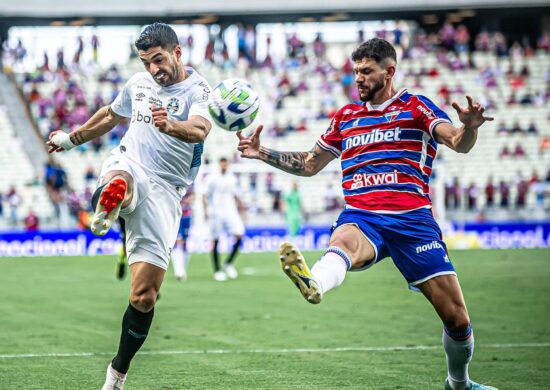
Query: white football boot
point(113, 381)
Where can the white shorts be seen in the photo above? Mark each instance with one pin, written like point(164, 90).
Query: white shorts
point(153, 216)
point(231, 223)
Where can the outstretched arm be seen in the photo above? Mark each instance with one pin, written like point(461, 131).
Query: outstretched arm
point(297, 163)
point(462, 139)
point(100, 123)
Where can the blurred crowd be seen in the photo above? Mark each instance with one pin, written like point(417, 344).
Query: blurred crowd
point(505, 194)
point(59, 97)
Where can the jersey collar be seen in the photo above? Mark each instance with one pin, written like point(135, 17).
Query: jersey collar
point(385, 105)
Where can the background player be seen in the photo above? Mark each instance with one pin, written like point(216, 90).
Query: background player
point(180, 254)
point(147, 174)
point(222, 207)
point(387, 145)
point(292, 204)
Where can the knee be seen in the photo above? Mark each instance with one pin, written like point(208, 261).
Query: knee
point(144, 301)
point(345, 243)
point(459, 321)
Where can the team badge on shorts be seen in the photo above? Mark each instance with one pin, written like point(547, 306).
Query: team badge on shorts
point(173, 106)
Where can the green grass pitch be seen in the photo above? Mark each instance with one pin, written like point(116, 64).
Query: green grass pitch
point(257, 332)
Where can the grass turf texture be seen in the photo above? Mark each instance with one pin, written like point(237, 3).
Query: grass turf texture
point(73, 305)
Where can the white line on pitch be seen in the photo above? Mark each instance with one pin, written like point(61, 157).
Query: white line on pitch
point(275, 350)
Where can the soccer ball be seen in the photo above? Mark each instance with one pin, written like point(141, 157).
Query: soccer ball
point(233, 104)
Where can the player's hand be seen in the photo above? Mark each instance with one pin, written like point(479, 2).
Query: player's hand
point(52, 147)
point(160, 119)
point(471, 116)
point(250, 146)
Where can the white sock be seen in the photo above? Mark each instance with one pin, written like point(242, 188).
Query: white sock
point(185, 260)
point(329, 272)
point(459, 353)
point(178, 262)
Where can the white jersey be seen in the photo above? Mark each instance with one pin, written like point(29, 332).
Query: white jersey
point(162, 155)
point(221, 191)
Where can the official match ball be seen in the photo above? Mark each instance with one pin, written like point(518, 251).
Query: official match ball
point(233, 104)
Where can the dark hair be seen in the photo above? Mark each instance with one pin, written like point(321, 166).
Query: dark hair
point(223, 159)
point(157, 34)
point(376, 49)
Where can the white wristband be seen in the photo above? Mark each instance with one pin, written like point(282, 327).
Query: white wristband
point(63, 140)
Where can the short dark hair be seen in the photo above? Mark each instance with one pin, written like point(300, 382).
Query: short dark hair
point(376, 49)
point(157, 34)
point(223, 159)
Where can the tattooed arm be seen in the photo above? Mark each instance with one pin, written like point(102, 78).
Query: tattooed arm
point(297, 163)
point(100, 123)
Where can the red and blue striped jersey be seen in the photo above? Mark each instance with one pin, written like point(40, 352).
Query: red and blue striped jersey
point(386, 153)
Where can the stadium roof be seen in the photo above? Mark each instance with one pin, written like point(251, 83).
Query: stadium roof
point(164, 8)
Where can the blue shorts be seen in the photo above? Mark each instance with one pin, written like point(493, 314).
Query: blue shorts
point(413, 240)
point(185, 225)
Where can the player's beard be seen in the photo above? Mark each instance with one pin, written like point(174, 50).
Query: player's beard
point(378, 86)
point(171, 76)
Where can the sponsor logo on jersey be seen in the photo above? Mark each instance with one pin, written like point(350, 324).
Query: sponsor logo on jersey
point(155, 101)
point(372, 179)
point(390, 116)
point(173, 105)
point(139, 97)
point(374, 136)
point(137, 116)
point(427, 247)
point(423, 110)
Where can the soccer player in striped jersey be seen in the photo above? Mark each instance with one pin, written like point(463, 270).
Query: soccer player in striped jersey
point(386, 144)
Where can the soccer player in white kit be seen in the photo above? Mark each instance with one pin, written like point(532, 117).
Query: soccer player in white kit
point(221, 208)
point(147, 174)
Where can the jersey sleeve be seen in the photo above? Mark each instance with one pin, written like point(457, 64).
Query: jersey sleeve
point(122, 105)
point(331, 141)
point(428, 115)
point(199, 101)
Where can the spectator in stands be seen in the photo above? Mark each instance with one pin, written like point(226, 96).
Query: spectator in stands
point(483, 41)
point(90, 175)
point(522, 189)
point(504, 152)
point(461, 38)
point(501, 47)
point(56, 178)
point(504, 189)
point(516, 128)
point(319, 47)
point(269, 185)
point(31, 221)
point(454, 194)
point(471, 192)
point(502, 129)
point(253, 183)
point(14, 200)
point(544, 42)
point(490, 193)
point(527, 99)
point(512, 99)
point(79, 51)
point(45, 67)
point(60, 60)
point(447, 36)
point(540, 189)
point(302, 125)
point(518, 152)
point(20, 51)
point(333, 196)
point(95, 47)
point(532, 129)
